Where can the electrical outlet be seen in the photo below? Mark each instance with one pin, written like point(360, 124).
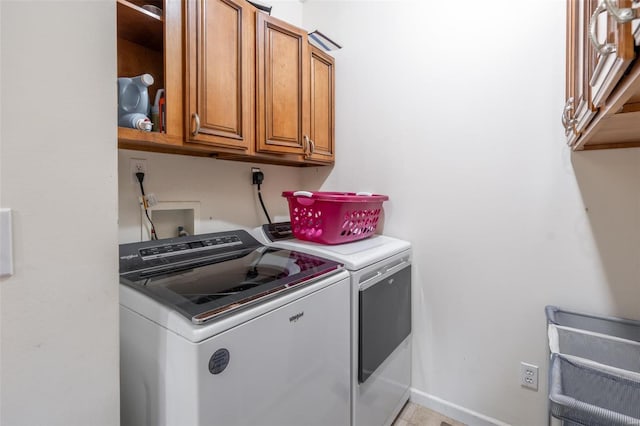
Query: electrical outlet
point(529, 376)
point(137, 165)
point(256, 176)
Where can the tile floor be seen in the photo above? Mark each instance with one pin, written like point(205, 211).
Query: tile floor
point(417, 415)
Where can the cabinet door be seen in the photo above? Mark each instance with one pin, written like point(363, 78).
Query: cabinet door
point(573, 91)
point(599, 51)
point(282, 86)
point(322, 130)
point(219, 64)
point(578, 110)
point(613, 45)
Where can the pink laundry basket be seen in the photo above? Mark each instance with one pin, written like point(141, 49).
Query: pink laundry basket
point(333, 217)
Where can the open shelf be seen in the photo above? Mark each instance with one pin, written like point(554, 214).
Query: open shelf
point(127, 134)
point(139, 25)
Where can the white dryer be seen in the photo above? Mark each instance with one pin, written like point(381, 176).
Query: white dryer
point(380, 269)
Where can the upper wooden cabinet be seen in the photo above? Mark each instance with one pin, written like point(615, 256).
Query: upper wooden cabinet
point(295, 85)
point(602, 78)
point(219, 68)
point(239, 84)
point(282, 87)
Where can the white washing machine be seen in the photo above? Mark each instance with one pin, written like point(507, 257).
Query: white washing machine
point(218, 329)
point(380, 269)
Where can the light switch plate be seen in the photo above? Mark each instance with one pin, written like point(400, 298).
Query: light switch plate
point(6, 243)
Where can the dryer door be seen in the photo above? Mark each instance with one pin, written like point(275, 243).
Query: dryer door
point(384, 319)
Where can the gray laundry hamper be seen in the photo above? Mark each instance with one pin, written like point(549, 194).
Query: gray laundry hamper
point(594, 374)
point(611, 326)
point(584, 393)
point(606, 340)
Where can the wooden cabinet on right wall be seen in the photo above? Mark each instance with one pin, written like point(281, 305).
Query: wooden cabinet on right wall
point(602, 97)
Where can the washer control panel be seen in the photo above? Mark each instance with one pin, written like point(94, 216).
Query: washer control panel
point(163, 253)
point(189, 247)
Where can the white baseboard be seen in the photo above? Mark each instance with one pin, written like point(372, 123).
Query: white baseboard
point(454, 411)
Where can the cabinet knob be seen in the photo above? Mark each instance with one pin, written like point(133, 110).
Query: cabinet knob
point(305, 145)
point(308, 146)
point(605, 48)
point(196, 120)
point(567, 121)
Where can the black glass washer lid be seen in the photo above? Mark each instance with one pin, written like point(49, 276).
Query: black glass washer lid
point(208, 289)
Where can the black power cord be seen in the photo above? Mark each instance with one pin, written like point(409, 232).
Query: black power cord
point(258, 177)
point(140, 177)
point(262, 204)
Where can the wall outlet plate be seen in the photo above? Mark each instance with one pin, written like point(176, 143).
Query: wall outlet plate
point(256, 176)
point(529, 376)
point(137, 165)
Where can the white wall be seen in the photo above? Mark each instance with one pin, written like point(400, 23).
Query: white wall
point(287, 10)
point(221, 190)
point(59, 311)
point(453, 110)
